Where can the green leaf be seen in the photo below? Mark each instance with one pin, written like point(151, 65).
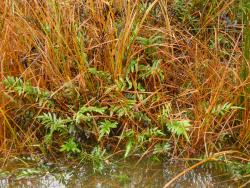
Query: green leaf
point(83, 115)
point(101, 74)
point(70, 147)
point(121, 84)
point(222, 109)
point(150, 133)
point(98, 159)
point(161, 148)
point(53, 123)
point(129, 147)
point(179, 127)
point(105, 128)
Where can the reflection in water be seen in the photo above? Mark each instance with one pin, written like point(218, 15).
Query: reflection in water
point(146, 174)
point(45, 181)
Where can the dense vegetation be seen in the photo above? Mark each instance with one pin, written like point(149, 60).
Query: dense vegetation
point(80, 78)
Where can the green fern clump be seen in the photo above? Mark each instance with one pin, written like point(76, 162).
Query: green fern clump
point(131, 68)
point(177, 127)
point(237, 169)
point(183, 12)
point(142, 118)
point(123, 109)
point(121, 84)
point(129, 137)
point(150, 44)
point(14, 84)
point(53, 124)
point(139, 142)
point(64, 127)
point(17, 85)
point(164, 114)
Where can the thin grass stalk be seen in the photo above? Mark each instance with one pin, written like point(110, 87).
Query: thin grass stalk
point(244, 73)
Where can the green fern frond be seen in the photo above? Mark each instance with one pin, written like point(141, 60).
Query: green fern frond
point(149, 41)
point(17, 85)
point(149, 134)
point(179, 128)
point(121, 84)
point(161, 148)
point(83, 113)
point(98, 159)
point(129, 136)
point(123, 109)
point(70, 146)
point(14, 84)
point(154, 70)
point(132, 67)
point(101, 74)
point(222, 109)
point(53, 123)
point(164, 113)
point(105, 128)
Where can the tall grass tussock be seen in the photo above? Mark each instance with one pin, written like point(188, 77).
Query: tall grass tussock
point(155, 77)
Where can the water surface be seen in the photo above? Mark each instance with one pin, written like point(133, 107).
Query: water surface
point(123, 174)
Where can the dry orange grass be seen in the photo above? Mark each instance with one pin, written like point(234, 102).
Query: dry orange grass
point(53, 42)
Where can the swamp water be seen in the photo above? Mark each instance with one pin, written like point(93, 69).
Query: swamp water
point(125, 174)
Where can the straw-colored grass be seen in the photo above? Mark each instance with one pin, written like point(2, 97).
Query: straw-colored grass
point(191, 57)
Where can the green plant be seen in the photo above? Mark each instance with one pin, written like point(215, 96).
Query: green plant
point(222, 109)
point(155, 71)
point(84, 113)
point(237, 169)
point(25, 89)
point(100, 74)
point(183, 11)
point(28, 172)
point(98, 159)
point(53, 123)
point(70, 146)
point(150, 44)
point(244, 69)
point(123, 109)
point(161, 148)
point(81, 71)
point(179, 127)
point(149, 134)
point(122, 178)
point(129, 136)
point(105, 128)
point(131, 68)
point(165, 113)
